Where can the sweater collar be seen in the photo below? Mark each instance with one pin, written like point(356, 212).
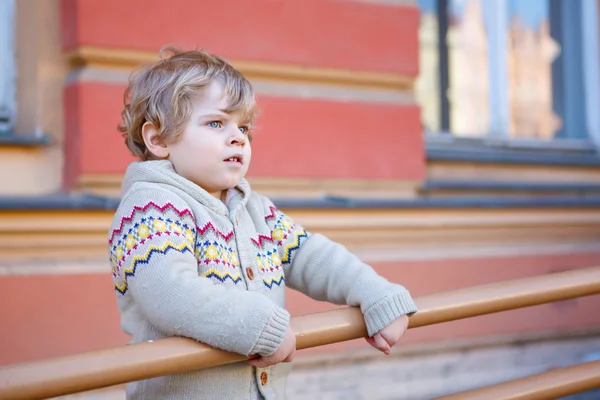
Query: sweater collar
point(163, 172)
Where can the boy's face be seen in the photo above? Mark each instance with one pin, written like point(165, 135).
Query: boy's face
point(214, 150)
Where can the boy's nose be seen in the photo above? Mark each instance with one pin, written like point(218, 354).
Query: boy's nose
point(237, 138)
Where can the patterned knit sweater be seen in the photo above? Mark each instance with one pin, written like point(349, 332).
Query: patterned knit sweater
point(186, 264)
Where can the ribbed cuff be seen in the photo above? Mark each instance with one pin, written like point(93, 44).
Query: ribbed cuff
point(387, 310)
point(272, 336)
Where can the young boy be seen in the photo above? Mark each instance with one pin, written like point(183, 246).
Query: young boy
point(195, 253)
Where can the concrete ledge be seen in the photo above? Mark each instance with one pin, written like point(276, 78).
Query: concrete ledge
point(57, 202)
point(511, 156)
point(557, 152)
point(510, 186)
point(12, 140)
point(89, 202)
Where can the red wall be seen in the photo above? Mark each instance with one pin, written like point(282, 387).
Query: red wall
point(85, 315)
point(297, 136)
point(352, 35)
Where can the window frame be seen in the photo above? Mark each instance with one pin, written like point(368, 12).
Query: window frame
point(8, 73)
point(10, 134)
point(591, 61)
point(586, 21)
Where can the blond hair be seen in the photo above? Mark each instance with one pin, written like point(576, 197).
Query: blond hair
point(162, 94)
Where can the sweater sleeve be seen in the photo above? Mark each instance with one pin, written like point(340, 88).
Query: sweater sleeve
point(327, 271)
point(152, 250)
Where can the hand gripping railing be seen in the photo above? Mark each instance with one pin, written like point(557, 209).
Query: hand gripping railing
point(81, 372)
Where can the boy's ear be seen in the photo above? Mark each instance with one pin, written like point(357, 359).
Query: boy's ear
point(153, 142)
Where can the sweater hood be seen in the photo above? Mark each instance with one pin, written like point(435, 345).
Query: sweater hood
point(163, 173)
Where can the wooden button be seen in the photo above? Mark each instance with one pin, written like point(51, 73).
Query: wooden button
point(264, 378)
point(250, 273)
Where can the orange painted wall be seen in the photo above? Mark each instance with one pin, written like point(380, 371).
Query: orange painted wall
point(65, 314)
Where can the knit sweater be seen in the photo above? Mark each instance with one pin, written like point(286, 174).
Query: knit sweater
point(187, 264)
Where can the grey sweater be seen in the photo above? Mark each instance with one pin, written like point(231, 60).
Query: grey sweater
point(186, 264)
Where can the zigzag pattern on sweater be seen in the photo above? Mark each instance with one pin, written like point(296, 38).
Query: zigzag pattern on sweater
point(261, 239)
point(146, 229)
point(222, 276)
point(290, 248)
point(273, 210)
point(145, 208)
point(207, 251)
point(280, 228)
point(287, 235)
point(209, 225)
point(274, 281)
point(145, 259)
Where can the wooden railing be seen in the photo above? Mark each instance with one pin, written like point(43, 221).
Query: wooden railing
point(77, 373)
point(550, 385)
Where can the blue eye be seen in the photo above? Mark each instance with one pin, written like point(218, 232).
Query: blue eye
point(215, 124)
point(243, 129)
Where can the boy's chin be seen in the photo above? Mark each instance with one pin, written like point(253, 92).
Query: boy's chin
point(230, 185)
point(219, 186)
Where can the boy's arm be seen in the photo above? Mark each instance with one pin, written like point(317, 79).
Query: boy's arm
point(152, 253)
point(327, 271)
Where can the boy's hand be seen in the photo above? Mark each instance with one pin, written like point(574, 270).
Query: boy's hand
point(285, 352)
point(389, 336)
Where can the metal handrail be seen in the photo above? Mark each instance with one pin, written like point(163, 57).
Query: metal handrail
point(103, 368)
point(548, 385)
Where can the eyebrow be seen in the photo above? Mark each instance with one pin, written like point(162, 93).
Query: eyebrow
point(220, 114)
point(217, 114)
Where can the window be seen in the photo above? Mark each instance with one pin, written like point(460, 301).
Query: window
point(7, 66)
point(510, 69)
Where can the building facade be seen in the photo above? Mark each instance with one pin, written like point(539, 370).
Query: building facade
point(442, 165)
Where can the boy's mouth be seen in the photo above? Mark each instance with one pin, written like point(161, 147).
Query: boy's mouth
point(237, 158)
